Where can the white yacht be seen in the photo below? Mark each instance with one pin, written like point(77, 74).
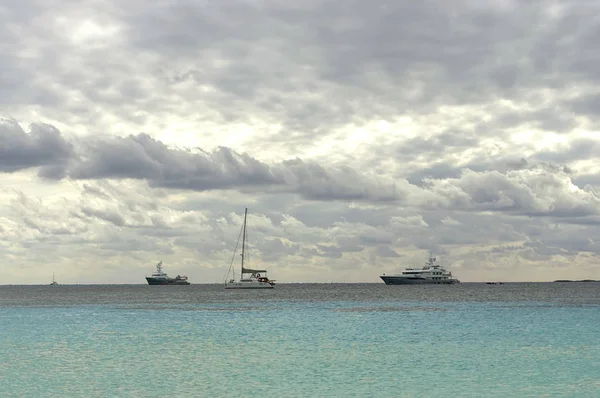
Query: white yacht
point(249, 278)
point(431, 274)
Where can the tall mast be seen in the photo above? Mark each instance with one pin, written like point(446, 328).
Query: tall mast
point(244, 238)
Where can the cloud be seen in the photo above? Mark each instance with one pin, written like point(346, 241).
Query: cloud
point(144, 158)
point(42, 147)
point(298, 66)
point(544, 189)
point(529, 192)
point(352, 130)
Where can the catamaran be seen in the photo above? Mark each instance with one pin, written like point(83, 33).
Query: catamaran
point(249, 278)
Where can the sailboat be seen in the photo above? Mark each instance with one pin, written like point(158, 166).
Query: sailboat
point(249, 278)
point(54, 282)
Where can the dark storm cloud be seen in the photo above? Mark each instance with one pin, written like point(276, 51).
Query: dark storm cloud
point(42, 147)
point(141, 157)
point(538, 189)
point(144, 158)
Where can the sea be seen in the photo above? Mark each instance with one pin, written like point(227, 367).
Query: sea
point(301, 340)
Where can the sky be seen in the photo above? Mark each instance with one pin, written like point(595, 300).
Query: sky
point(360, 135)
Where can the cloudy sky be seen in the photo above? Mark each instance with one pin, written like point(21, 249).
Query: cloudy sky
point(360, 135)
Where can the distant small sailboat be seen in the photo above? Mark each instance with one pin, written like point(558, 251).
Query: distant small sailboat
point(54, 282)
point(249, 278)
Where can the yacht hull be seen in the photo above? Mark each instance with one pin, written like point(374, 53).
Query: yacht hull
point(162, 281)
point(399, 280)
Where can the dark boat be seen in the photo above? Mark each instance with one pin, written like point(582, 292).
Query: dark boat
point(161, 278)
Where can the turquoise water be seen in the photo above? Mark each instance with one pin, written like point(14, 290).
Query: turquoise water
point(371, 340)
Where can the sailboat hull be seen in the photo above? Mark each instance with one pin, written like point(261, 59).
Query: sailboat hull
point(248, 285)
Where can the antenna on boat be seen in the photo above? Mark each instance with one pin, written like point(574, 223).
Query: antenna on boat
point(431, 260)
